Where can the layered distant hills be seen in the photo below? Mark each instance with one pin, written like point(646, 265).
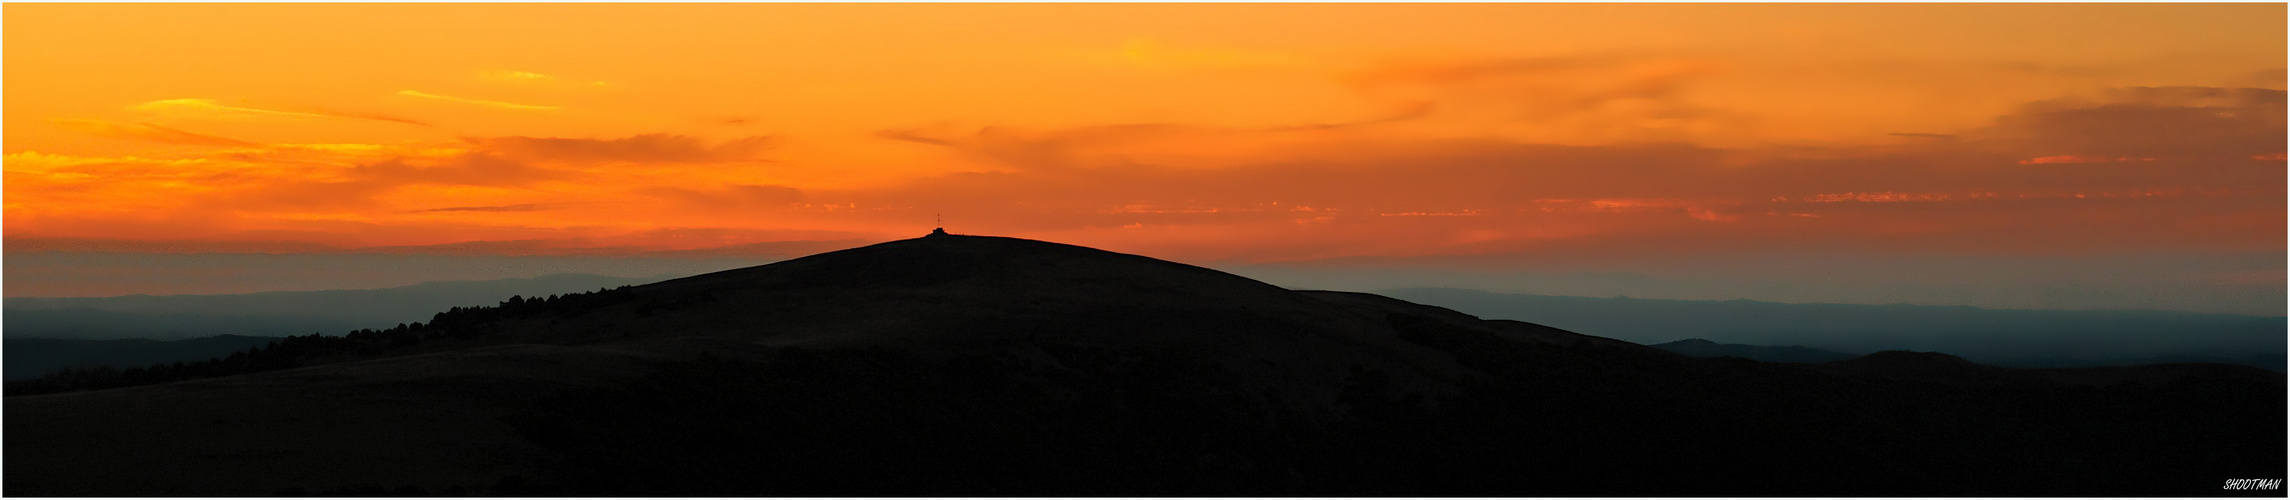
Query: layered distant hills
point(69, 327)
point(272, 314)
point(30, 358)
point(980, 366)
point(2005, 337)
point(46, 334)
point(1706, 349)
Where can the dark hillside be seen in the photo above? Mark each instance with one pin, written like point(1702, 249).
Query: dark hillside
point(966, 366)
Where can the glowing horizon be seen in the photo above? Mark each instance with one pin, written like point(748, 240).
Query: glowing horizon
point(1246, 133)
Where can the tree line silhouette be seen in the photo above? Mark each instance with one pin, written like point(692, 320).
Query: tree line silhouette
point(314, 349)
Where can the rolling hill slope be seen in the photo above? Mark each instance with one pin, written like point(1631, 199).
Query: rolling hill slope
point(965, 365)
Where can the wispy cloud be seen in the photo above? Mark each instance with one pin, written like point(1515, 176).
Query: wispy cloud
point(357, 177)
point(1197, 190)
point(728, 197)
point(147, 132)
point(1576, 99)
point(371, 116)
point(479, 102)
point(360, 187)
point(1917, 135)
point(1153, 54)
point(524, 207)
point(2138, 123)
point(911, 135)
point(518, 76)
point(1405, 112)
point(210, 106)
point(528, 77)
point(474, 169)
point(638, 148)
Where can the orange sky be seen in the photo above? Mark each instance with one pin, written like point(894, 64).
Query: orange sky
point(1252, 133)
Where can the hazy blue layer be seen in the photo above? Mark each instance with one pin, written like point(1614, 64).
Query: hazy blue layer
point(30, 358)
point(2239, 283)
point(101, 274)
point(272, 314)
point(2004, 337)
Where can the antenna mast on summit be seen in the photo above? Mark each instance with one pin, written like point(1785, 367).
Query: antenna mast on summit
point(939, 218)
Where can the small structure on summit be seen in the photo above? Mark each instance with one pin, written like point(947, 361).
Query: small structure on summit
point(940, 219)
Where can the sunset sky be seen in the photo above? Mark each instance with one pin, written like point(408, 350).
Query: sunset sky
point(2133, 152)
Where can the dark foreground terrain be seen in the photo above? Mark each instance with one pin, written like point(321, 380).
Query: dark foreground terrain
point(959, 365)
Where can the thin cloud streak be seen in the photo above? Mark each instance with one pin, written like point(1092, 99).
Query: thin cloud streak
point(479, 102)
point(148, 132)
point(212, 107)
point(377, 117)
point(526, 207)
point(209, 105)
point(643, 148)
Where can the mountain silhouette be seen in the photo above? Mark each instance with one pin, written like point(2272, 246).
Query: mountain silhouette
point(30, 358)
point(269, 314)
point(1703, 348)
point(954, 365)
point(2019, 338)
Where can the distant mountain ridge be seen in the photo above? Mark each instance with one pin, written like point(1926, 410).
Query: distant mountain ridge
point(28, 358)
point(2004, 337)
point(272, 314)
point(1792, 354)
